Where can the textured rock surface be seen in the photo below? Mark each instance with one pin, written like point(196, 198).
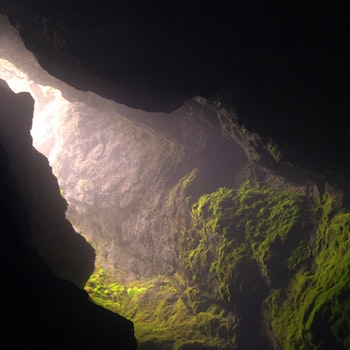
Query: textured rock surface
point(42, 254)
point(131, 177)
point(66, 252)
point(283, 66)
point(119, 176)
point(118, 168)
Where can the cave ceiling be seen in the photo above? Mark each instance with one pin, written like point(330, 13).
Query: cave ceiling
point(283, 68)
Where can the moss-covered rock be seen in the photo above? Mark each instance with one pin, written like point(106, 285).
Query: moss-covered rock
point(251, 258)
point(313, 311)
point(246, 252)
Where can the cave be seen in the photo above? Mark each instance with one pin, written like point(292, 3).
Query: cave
point(171, 206)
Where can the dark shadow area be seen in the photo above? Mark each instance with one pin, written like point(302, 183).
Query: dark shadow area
point(40, 310)
point(248, 294)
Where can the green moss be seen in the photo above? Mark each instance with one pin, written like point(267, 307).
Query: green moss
point(273, 149)
point(243, 246)
point(299, 256)
point(164, 317)
point(314, 312)
point(250, 223)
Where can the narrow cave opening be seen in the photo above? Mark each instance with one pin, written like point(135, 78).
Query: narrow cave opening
point(49, 107)
point(50, 110)
point(83, 147)
point(67, 134)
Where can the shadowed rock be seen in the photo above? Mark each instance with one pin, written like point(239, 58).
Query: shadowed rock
point(41, 310)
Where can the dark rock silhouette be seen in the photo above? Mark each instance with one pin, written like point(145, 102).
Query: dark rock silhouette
point(284, 66)
point(41, 310)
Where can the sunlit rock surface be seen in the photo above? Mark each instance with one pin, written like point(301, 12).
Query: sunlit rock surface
point(67, 253)
point(118, 177)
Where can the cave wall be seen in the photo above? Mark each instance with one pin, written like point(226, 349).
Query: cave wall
point(283, 66)
point(119, 176)
point(44, 260)
point(112, 160)
point(66, 252)
point(314, 254)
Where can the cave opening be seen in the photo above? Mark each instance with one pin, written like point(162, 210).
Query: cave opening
point(82, 148)
point(249, 259)
point(125, 185)
point(111, 172)
point(67, 134)
point(101, 171)
point(49, 106)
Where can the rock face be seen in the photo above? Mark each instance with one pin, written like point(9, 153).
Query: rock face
point(111, 160)
point(45, 260)
point(221, 237)
point(51, 234)
point(119, 177)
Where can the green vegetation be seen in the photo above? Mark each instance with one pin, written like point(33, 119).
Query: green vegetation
point(314, 310)
point(232, 228)
point(273, 149)
point(277, 251)
point(163, 317)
